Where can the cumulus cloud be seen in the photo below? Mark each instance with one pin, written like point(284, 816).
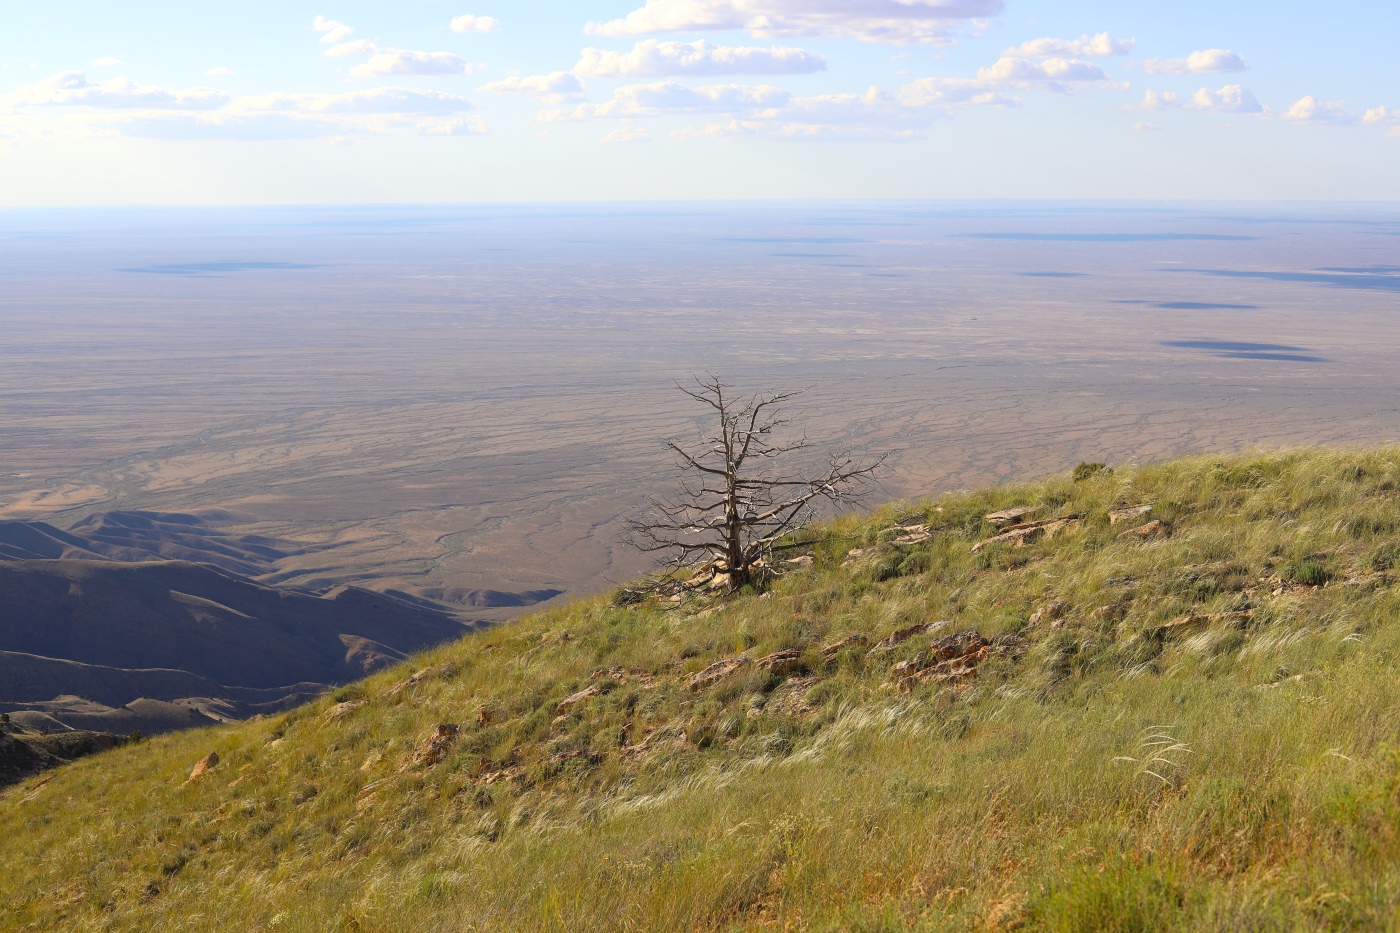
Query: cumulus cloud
point(1086, 46)
point(1143, 127)
point(1383, 116)
point(469, 23)
point(1311, 110)
point(627, 134)
point(1205, 62)
point(1229, 99)
point(1055, 74)
point(893, 21)
point(106, 61)
point(651, 58)
point(260, 127)
point(219, 72)
point(459, 126)
point(1158, 100)
point(333, 30)
point(347, 49)
point(555, 87)
point(73, 89)
point(404, 62)
point(663, 97)
point(379, 100)
point(385, 62)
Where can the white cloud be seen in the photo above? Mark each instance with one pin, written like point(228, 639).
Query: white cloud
point(334, 29)
point(894, 21)
point(1142, 127)
point(1158, 100)
point(460, 126)
point(404, 62)
point(384, 62)
point(347, 49)
point(627, 134)
point(260, 127)
point(469, 23)
point(379, 100)
point(1383, 116)
point(651, 58)
point(663, 97)
point(219, 72)
point(1086, 46)
point(1054, 74)
point(555, 88)
point(1311, 110)
point(1229, 99)
point(1206, 62)
point(106, 61)
point(73, 89)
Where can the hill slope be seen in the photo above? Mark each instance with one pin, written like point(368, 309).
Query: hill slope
point(1182, 719)
point(169, 631)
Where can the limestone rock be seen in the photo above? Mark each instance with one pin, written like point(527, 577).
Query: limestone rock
point(570, 702)
point(1153, 529)
point(434, 748)
point(206, 764)
point(782, 662)
point(341, 710)
point(900, 636)
point(1011, 516)
point(830, 652)
point(716, 672)
point(1122, 515)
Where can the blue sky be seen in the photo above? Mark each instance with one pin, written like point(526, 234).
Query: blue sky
point(433, 101)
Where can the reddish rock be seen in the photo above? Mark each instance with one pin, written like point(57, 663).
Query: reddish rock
point(434, 748)
point(570, 702)
point(206, 764)
point(830, 652)
point(1153, 529)
point(782, 663)
point(716, 672)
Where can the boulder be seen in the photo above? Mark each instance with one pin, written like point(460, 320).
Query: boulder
point(782, 662)
point(206, 764)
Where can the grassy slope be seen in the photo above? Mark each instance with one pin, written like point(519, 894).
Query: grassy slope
point(1108, 774)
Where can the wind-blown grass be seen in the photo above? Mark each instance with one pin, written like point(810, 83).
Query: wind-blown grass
point(1199, 731)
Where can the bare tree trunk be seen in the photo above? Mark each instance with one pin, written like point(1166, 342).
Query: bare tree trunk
point(733, 508)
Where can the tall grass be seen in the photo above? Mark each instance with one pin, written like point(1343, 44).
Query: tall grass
point(1205, 734)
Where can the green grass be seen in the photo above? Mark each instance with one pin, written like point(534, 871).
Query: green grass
point(1206, 737)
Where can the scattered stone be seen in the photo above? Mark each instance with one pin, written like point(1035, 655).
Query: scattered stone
point(896, 638)
point(1050, 612)
point(954, 658)
point(415, 679)
point(911, 534)
point(570, 702)
point(716, 672)
point(802, 560)
point(341, 710)
point(434, 748)
point(782, 662)
point(830, 652)
point(1153, 529)
point(1122, 515)
point(1011, 516)
point(206, 764)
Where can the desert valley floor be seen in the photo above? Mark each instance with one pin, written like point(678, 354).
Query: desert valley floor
point(447, 401)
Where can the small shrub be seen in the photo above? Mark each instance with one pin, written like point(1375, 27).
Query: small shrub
point(1307, 572)
point(1088, 470)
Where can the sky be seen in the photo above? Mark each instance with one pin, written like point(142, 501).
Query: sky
point(446, 101)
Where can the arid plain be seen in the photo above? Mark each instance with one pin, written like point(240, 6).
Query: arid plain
point(440, 401)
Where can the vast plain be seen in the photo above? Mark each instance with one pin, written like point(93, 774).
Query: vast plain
point(438, 401)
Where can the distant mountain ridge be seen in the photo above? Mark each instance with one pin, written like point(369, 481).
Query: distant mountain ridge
point(111, 633)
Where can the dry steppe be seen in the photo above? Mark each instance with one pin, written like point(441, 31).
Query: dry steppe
point(444, 401)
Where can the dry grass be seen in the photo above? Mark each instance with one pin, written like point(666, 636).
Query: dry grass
point(1203, 739)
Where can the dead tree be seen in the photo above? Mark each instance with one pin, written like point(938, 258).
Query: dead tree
point(735, 505)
